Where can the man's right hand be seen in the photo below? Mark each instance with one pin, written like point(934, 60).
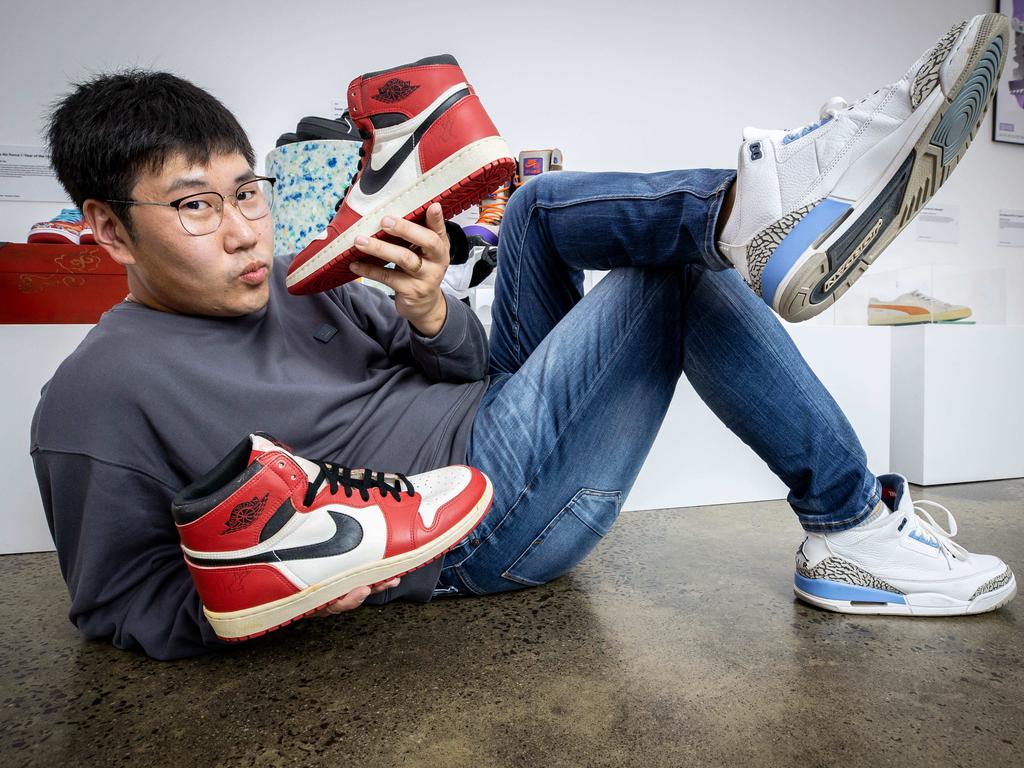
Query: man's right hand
point(355, 598)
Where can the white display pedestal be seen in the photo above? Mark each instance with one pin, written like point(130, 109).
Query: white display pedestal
point(957, 405)
point(696, 460)
point(32, 353)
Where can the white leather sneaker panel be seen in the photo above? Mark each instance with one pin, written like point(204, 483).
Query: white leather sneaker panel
point(439, 487)
point(370, 549)
point(953, 67)
point(404, 177)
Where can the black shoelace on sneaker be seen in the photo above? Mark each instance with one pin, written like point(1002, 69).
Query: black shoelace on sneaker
point(341, 477)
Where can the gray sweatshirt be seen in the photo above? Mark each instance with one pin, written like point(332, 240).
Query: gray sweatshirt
point(151, 400)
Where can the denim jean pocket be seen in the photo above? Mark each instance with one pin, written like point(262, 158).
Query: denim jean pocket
point(568, 538)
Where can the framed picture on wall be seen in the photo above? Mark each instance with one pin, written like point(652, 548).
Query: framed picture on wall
point(1008, 118)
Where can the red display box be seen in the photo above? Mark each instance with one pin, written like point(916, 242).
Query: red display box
point(58, 283)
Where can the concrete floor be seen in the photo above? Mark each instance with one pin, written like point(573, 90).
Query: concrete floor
point(677, 643)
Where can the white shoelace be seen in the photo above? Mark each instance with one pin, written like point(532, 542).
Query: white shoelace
point(929, 299)
point(926, 522)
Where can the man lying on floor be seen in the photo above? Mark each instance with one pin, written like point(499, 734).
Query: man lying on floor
point(558, 410)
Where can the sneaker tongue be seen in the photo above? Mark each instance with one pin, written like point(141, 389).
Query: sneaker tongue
point(895, 494)
point(263, 443)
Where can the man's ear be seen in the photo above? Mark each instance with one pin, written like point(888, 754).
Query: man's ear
point(109, 231)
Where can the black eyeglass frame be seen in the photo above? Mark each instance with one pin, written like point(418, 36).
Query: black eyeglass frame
point(176, 204)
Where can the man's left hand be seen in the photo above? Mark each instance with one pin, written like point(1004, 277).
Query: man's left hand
point(419, 268)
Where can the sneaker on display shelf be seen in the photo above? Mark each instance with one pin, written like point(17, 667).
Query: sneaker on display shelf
point(534, 162)
point(68, 226)
point(914, 307)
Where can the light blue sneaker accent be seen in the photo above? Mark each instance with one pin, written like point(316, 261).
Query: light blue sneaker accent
point(804, 131)
point(70, 215)
point(924, 538)
point(818, 220)
point(834, 590)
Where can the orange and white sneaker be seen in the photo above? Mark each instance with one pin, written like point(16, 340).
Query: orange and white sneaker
point(270, 537)
point(426, 139)
point(914, 307)
point(66, 227)
point(492, 210)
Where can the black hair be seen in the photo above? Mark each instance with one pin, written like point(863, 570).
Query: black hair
point(111, 128)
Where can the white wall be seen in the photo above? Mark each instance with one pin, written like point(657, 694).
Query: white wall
point(638, 85)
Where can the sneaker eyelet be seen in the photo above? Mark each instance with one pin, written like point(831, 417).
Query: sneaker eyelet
point(280, 465)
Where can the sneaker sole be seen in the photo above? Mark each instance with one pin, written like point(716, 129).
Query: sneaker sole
point(462, 180)
point(848, 598)
point(237, 626)
point(936, 317)
point(801, 282)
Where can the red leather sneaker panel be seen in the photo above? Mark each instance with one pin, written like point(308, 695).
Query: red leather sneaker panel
point(234, 588)
point(406, 91)
point(460, 126)
point(405, 526)
point(237, 521)
point(451, 510)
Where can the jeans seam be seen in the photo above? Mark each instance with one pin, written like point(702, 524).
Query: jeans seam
point(711, 255)
point(756, 329)
point(571, 419)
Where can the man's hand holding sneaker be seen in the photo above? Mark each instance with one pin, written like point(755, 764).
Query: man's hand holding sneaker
point(419, 268)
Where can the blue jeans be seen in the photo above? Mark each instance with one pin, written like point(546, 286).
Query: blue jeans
point(580, 385)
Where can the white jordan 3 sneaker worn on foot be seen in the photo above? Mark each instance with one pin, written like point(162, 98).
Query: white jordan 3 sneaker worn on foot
point(816, 206)
point(902, 563)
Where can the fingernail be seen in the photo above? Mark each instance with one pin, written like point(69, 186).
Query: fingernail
point(362, 240)
point(355, 266)
point(387, 222)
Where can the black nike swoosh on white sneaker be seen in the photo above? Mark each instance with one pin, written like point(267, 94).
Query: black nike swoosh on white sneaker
point(373, 181)
point(347, 536)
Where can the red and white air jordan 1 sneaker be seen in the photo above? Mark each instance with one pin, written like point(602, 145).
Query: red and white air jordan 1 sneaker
point(427, 139)
point(817, 205)
point(270, 537)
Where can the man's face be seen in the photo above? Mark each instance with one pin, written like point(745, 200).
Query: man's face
point(224, 273)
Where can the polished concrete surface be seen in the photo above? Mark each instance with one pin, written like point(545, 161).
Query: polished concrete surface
point(677, 643)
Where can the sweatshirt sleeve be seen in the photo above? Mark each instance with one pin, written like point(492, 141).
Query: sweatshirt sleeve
point(120, 555)
point(458, 353)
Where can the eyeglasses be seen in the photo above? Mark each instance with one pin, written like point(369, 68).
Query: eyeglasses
point(201, 213)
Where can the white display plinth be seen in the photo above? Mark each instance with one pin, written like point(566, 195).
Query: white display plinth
point(697, 460)
point(33, 353)
point(958, 412)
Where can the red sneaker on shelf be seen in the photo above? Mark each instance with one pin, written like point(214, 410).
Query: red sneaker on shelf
point(270, 537)
point(66, 227)
point(427, 139)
